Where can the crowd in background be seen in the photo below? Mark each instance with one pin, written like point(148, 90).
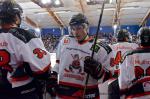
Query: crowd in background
point(50, 41)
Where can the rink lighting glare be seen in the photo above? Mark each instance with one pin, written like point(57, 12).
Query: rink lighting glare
point(115, 26)
point(57, 2)
point(87, 0)
point(112, 1)
point(46, 1)
point(37, 30)
point(49, 1)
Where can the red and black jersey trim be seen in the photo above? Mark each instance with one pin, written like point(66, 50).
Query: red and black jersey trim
point(75, 91)
point(42, 74)
point(138, 50)
point(47, 68)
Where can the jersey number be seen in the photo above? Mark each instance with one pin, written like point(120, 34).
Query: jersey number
point(116, 60)
point(39, 52)
point(4, 60)
point(139, 72)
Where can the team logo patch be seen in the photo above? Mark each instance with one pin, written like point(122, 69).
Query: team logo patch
point(66, 41)
point(95, 49)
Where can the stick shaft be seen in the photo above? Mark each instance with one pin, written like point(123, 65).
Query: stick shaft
point(96, 36)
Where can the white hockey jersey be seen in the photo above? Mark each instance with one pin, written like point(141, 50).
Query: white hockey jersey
point(118, 50)
point(134, 77)
point(70, 64)
point(20, 49)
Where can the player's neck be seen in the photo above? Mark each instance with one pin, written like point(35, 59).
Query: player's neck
point(83, 39)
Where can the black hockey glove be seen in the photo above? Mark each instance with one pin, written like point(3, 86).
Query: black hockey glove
point(52, 85)
point(93, 68)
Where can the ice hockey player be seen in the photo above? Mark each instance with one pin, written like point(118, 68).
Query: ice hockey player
point(134, 79)
point(122, 45)
point(23, 58)
point(74, 62)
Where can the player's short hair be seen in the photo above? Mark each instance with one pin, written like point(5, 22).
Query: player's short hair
point(122, 35)
point(9, 9)
point(144, 36)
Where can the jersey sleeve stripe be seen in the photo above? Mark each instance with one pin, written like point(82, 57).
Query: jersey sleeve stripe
point(47, 68)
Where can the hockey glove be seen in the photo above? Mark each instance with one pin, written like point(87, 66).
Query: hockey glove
point(52, 84)
point(93, 68)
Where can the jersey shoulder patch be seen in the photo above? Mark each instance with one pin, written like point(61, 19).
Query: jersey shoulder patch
point(66, 39)
point(105, 46)
point(22, 34)
point(95, 48)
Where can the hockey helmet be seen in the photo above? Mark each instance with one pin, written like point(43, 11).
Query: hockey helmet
point(78, 19)
point(8, 11)
point(122, 35)
point(144, 36)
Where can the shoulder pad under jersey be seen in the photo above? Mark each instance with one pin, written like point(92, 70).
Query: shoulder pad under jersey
point(144, 50)
point(22, 34)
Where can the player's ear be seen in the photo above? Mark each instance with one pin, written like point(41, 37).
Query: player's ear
point(18, 20)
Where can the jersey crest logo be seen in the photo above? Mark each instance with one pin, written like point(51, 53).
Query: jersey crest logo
point(75, 66)
point(66, 41)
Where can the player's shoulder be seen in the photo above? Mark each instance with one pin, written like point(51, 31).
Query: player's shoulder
point(127, 53)
point(105, 46)
point(130, 42)
point(135, 51)
point(113, 44)
point(133, 43)
point(22, 34)
point(65, 39)
point(66, 36)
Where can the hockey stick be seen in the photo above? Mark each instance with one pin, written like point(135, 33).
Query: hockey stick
point(96, 36)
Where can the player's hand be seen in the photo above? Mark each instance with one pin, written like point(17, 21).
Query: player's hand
point(93, 68)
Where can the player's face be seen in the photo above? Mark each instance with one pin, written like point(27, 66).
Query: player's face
point(79, 31)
